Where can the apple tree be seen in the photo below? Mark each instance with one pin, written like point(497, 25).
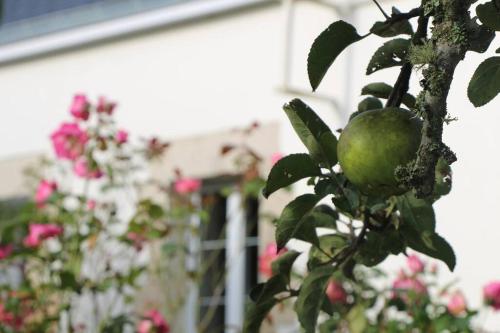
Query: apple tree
point(389, 164)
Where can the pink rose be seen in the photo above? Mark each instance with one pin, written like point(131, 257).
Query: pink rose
point(187, 185)
point(69, 141)
point(275, 157)
point(415, 264)
point(82, 169)
point(336, 292)
point(406, 285)
point(121, 137)
point(80, 107)
point(104, 106)
point(43, 192)
point(456, 304)
point(5, 251)
point(153, 322)
point(91, 204)
point(491, 294)
point(266, 259)
point(145, 326)
point(39, 232)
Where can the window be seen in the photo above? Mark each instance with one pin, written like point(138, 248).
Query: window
point(227, 248)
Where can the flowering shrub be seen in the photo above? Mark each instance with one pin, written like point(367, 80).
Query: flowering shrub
point(373, 301)
point(77, 246)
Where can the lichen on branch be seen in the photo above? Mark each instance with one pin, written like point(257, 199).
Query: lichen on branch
point(451, 28)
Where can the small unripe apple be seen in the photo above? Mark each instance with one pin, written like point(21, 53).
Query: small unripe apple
point(373, 144)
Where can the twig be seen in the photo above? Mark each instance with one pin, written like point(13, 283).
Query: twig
point(402, 83)
point(382, 10)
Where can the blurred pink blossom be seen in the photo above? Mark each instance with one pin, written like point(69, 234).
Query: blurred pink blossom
point(121, 137)
point(80, 107)
point(336, 292)
point(402, 286)
point(91, 204)
point(153, 322)
point(415, 264)
point(137, 239)
point(275, 157)
point(69, 141)
point(491, 294)
point(104, 106)
point(187, 185)
point(5, 251)
point(81, 169)
point(457, 304)
point(267, 257)
point(43, 192)
point(39, 232)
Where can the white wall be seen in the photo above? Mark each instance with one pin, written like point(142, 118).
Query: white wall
point(225, 72)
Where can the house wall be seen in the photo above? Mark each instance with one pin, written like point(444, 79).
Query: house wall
point(227, 71)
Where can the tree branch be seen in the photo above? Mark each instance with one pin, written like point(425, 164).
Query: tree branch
point(450, 43)
point(402, 83)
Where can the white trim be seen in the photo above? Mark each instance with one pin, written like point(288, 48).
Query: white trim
point(235, 264)
point(154, 19)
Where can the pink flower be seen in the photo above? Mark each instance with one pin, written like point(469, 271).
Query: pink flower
point(415, 264)
point(145, 326)
point(82, 169)
point(266, 259)
point(121, 137)
point(491, 294)
point(137, 240)
point(104, 106)
point(39, 232)
point(43, 192)
point(5, 251)
point(69, 141)
point(80, 107)
point(91, 204)
point(336, 292)
point(404, 286)
point(153, 322)
point(275, 157)
point(457, 304)
point(187, 185)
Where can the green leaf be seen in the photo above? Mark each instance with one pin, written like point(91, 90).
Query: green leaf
point(389, 29)
point(324, 216)
point(329, 246)
point(263, 301)
point(417, 212)
point(283, 265)
point(313, 132)
point(489, 14)
point(498, 50)
point(256, 313)
point(325, 49)
point(392, 53)
point(435, 246)
point(311, 297)
point(288, 170)
point(480, 40)
point(326, 186)
point(357, 319)
point(68, 281)
point(383, 90)
point(263, 291)
point(485, 83)
point(370, 103)
point(291, 223)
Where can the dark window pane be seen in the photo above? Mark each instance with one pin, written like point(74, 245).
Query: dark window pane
point(252, 219)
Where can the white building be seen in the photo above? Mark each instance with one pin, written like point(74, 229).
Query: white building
point(185, 68)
